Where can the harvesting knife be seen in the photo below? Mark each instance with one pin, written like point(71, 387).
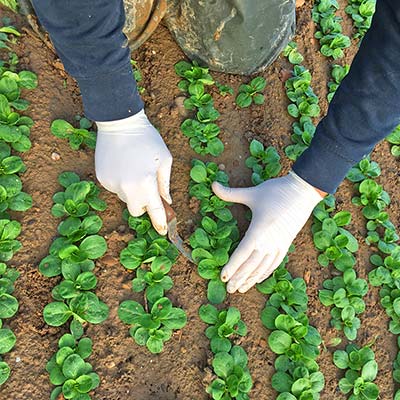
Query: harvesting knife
point(173, 234)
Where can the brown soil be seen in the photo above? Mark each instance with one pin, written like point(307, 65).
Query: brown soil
point(127, 370)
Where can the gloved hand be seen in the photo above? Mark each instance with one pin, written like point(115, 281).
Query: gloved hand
point(280, 208)
point(133, 161)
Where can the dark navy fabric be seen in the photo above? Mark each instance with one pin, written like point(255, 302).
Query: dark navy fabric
point(365, 108)
point(89, 40)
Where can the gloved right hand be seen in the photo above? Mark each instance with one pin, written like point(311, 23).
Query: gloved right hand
point(133, 161)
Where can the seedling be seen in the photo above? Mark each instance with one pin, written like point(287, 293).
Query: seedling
point(233, 376)
point(69, 371)
point(303, 132)
point(154, 328)
point(147, 246)
point(76, 136)
point(198, 97)
point(335, 243)
point(265, 163)
point(293, 54)
point(203, 137)
point(192, 73)
point(4, 38)
point(338, 73)
point(299, 92)
point(363, 170)
point(361, 11)
point(153, 280)
point(224, 90)
point(152, 256)
point(394, 139)
point(345, 294)
point(330, 35)
point(251, 93)
point(223, 325)
point(372, 197)
point(361, 370)
point(137, 75)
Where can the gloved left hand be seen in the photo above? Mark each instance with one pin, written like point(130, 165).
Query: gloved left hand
point(280, 207)
point(133, 161)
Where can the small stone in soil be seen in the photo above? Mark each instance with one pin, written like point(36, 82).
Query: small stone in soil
point(55, 156)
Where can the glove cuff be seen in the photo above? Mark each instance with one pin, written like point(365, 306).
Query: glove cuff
point(304, 189)
point(125, 125)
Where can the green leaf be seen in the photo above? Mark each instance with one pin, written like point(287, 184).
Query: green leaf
point(243, 100)
point(56, 313)
point(94, 246)
point(279, 341)
point(154, 345)
point(208, 314)
point(223, 364)
point(4, 372)
point(282, 382)
point(61, 128)
point(7, 340)
point(8, 306)
point(73, 366)
point(258, 83)
point(369, 371)
point(176, 319)
point(130, 312)
point(341, 359)
point(198, 173)
point(216, 291)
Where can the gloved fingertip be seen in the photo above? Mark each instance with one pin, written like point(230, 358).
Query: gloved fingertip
point(217, 188)
point(167, 197)
point(162, 230)
point(231, 288)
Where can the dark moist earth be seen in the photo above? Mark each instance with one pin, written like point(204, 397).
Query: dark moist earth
point(181, 372)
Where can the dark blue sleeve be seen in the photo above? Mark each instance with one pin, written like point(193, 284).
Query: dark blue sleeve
point(365, 108)
point(88, 38)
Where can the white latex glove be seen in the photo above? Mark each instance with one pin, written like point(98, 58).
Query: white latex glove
point(133, 161)
point(280, 208)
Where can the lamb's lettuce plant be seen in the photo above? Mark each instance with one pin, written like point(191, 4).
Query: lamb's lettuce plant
point(69, 369)
point(201, 130)
point(224, 90)
point(394, 140)
point(72, 256)
point(251, 93)
point(338, 73)
point(292, 54)
point(14, 137)
point(298, 90)
point(361, 370)
point(75, 136)
point(151, 256)
point(361, 11)
point(265, 163)
point(233, 377)
point(330, 35)
point(153, 328)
